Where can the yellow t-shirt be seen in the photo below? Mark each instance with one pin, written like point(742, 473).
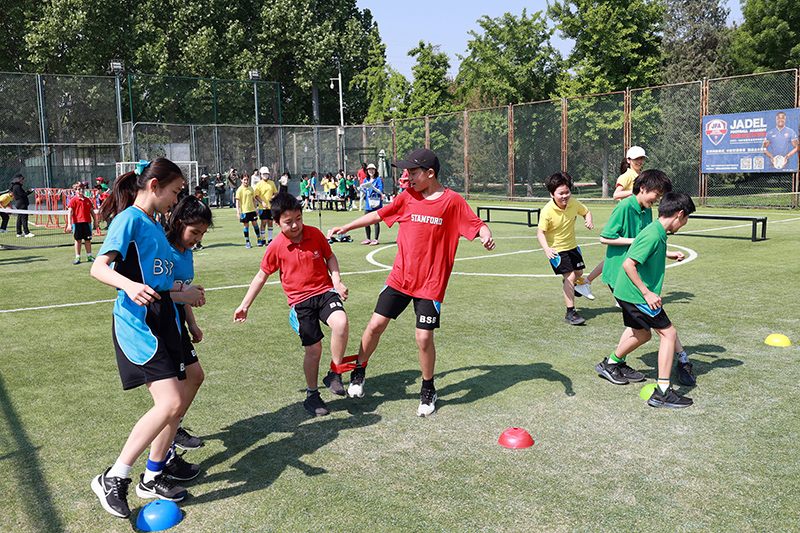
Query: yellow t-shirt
point(6, 199)
point(265, 190)
point(245, 196)
point(558, 224)
point(626, 180)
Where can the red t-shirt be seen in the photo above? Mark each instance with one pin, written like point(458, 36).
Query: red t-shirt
point(81, 208)
point(362, 175)
point(427, 240)
point(303, 265)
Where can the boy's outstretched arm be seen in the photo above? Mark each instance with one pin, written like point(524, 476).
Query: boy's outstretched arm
point(653, 300)
point(333, 268)
point(486, 237)
point(588, 217)
point(240, 315)
point(549, 252)
point(370, 218)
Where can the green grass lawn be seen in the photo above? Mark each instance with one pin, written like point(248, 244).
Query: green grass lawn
point(602, 459)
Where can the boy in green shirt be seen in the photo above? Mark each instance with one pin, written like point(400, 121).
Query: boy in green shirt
point(638, 288)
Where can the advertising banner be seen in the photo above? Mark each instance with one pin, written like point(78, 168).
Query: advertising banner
point(763, 141)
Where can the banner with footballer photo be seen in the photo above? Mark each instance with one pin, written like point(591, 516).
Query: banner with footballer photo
point(764, 141)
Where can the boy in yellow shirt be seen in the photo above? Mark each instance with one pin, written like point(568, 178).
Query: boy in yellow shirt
point(556, 235)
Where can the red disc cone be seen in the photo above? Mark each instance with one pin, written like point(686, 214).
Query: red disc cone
point(515, 438)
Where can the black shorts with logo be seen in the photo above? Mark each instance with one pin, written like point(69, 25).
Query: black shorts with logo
point(392, 302)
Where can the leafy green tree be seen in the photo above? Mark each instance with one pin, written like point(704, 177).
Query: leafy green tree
point(769, 37)
point(695, 42)
point(16, 14)
point(617, 43)
point(431, 90)
point(513, 61)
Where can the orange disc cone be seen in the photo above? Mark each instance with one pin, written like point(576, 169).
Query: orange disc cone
point(515, 438)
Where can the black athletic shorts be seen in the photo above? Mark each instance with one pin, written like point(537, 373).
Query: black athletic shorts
point(306, 315)
point(392, 302)
point(167, 361)
point(265, 214)
point(248, 217)
point(640, 316)
point(189, 354)
point(568, 261)
point(82, 231)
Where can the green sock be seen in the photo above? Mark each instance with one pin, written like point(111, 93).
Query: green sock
point(614, 360)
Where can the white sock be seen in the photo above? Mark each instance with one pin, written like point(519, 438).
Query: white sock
point(682, 357)
point(120, 470)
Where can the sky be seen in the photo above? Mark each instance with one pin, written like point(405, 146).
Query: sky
point(447, 23)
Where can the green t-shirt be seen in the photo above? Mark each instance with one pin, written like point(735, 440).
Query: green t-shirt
point(304, 188)
point(649, 250)
point(627, 220)
point(341, 190)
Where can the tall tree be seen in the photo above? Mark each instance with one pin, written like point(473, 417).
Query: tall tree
point(695, 42)
point(617, 43)
point(513, 61)
point(431, 90)
point(386, 89)
point(769, 37)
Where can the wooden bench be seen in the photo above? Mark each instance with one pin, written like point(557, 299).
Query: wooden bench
point(529, 210)
point(755, 220)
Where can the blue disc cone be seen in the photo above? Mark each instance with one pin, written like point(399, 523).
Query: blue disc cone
point(159, 515)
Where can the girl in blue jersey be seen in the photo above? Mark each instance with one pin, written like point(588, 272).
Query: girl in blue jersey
point(187, 224)
point(136, 259)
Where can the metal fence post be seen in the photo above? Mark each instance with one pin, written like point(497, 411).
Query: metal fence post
point(511, 178)
point(564, 138)
point(466, 153)
point(48, 172)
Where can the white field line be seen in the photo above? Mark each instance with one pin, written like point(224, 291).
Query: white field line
point(691, 256)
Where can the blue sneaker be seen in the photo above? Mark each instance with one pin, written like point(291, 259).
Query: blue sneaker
point(248, 245)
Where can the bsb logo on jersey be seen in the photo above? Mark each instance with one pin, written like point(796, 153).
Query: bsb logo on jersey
point(716, 130)
point(162, 266)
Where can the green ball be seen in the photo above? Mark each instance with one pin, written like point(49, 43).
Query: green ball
point(647, 391)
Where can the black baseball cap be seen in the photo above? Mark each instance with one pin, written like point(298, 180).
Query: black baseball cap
point(422, 158)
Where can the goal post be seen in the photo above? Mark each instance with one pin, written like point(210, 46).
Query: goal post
point(189, 168)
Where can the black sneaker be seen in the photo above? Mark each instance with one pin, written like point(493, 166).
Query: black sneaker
point(334, 383)
point(160, 487)
point(427, 402)
point(670, 399)
point(179, 469)
point(198, 246)
point(112, 493)
point(685, 373)
point(357, 378)
point(572, 317)
point(611, 372)
point(628, 373)
point(314, 404)
point(185, 441)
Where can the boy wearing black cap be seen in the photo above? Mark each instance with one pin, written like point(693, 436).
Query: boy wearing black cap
point(432, 218)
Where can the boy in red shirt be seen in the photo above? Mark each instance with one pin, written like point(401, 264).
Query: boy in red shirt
point(80, 214)
point(304, 258)
point(432, 218)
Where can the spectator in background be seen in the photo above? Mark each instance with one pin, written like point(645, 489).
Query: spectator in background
point(80, 215)
point(283, 184)
point(373, 191)
point(21, 202)
point(5, 199)
point(233, 185)
point(101, 184)
point(219, 189)
point(204, 185)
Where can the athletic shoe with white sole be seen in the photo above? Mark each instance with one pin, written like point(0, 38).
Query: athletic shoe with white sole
point(334, 383)
point(427, 402)
point(573, 318)
point(611, 372)
point(584, 288)
point(670, 399)
point(160, 487)
point(186, 441)
point(357, 379)
point(630, 374)
point(112, 493)
point(179, 469)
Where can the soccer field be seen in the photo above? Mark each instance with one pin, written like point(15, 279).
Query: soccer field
point(602, 459)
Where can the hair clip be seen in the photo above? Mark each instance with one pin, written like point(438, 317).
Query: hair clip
point(140, 166)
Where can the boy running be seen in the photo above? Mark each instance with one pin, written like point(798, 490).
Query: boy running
point(432, 219)
point(304, 258)
point(638, 288)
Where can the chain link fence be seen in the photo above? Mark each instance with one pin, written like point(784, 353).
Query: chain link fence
point(60, 129)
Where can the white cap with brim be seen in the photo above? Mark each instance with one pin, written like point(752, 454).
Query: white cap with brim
point(263, 170)
point(635, 152)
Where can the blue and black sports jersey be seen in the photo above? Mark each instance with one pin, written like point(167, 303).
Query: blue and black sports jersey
point(183, 265)
point(145, 255)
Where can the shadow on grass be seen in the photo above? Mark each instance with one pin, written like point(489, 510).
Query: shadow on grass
point(35, 494)
point(259, 467)
point(17, 260)
point(700, 366)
